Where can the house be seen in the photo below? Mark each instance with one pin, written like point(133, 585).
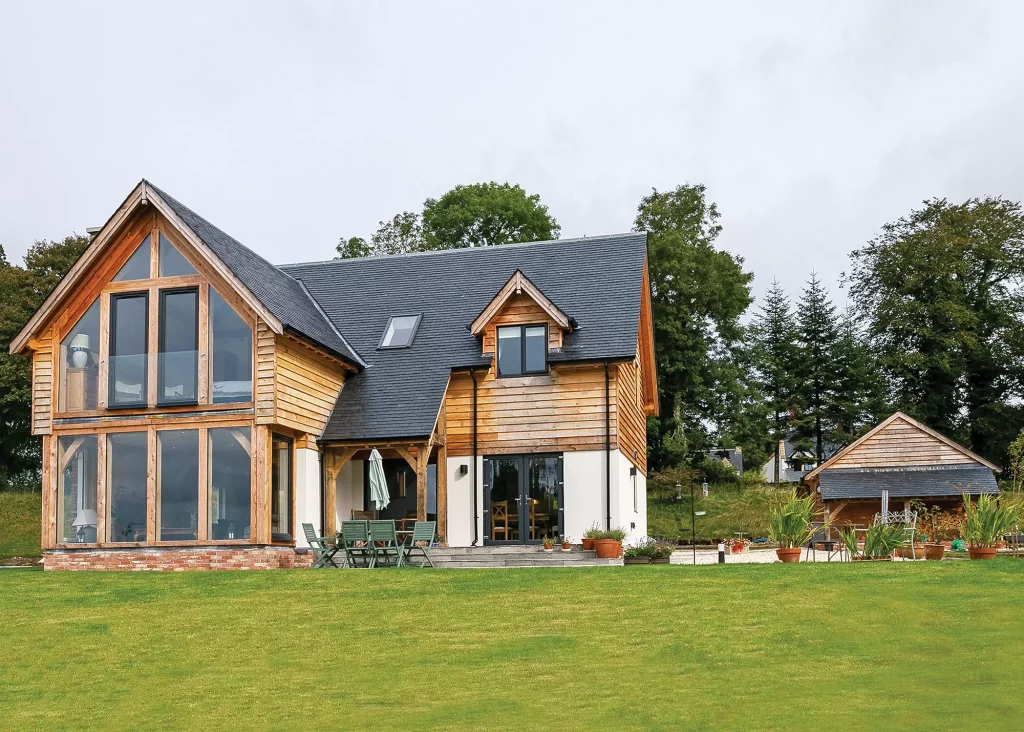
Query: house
point(731, 456)
point(796, 463)
point(903, 460)
point(197, 404)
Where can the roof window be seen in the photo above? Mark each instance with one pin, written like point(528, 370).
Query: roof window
point(400, 331)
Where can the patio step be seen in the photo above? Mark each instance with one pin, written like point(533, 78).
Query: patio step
point(515, 556)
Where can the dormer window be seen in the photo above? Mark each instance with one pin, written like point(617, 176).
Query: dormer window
point(522, 350)
point(400, 331)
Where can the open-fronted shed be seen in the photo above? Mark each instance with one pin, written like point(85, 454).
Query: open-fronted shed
point(903, 460)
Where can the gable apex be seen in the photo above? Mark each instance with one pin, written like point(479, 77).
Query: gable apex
point(519, 284)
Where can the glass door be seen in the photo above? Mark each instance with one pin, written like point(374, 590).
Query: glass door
point(522, 498)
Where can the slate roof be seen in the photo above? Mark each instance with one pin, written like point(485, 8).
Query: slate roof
point(907, 482)
point(282, 295)
point(596, 280)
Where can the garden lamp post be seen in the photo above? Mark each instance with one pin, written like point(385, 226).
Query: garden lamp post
point(694, 513)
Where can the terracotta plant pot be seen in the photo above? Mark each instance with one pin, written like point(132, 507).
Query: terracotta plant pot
point(607, 548)
point(934, 552)
point(566, 547)
point(549, 548)
point(636, 560)
point(789, 556)
point(588, 545)
point(982, 552)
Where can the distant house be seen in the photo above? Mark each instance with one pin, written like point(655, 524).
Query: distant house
point(730, 456)
point(904, 460)
point(795, 463)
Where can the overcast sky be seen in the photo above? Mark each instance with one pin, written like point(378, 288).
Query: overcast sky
point(289, 125)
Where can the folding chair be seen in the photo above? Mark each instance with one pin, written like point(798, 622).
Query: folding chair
point(355, 538)
point(422, 537)
point(323, 550)
point(384, 543)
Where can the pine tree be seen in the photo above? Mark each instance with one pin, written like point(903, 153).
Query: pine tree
point(859, 392)
point(818, 331)
point(773, 351)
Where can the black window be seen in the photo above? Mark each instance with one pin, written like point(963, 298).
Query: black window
point(129, 323)
point(232, 353)
point(522, 349)
point(281, 489)
point(178, 365)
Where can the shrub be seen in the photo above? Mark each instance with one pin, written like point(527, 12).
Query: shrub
point(789, 525)
point(716, 471)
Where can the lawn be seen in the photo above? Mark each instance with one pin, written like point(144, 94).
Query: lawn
point(893, 646)
point(19, 525)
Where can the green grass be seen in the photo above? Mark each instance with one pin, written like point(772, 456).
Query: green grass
point(19, 525)
point(850, 646)
point(730, 508)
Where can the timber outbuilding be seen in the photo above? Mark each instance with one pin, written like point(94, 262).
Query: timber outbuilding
point(900, 460)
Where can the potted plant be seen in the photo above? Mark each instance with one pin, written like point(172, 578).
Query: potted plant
point(566, 544)
point(880, 541)
point(985, 522)
point(789, 526)
point(637, 554)
point(938, 527)
point(589, 536)
point(662, 553)
point(549, 543)
point(608, 544)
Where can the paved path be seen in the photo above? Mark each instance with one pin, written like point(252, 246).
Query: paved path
point(752, 556)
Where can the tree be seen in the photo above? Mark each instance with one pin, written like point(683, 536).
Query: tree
point(858, 393)
point(698, 294)
point(486, 214)
point(401, 235)
point(817, 331)
point(774, 350)
point(942, 291)
point(22, 291)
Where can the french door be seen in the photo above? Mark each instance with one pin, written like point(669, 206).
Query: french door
point(523, 498)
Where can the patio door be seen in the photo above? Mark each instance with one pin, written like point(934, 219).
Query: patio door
point(523, 498)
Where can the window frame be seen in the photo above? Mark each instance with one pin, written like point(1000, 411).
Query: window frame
point(412, 337)
point(522, 350)
point(276, 536)
point(161, 337)
point(112, 351)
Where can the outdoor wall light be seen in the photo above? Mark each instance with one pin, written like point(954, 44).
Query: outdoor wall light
point(463, 469)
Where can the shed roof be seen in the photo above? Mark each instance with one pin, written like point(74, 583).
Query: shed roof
point(906, 482)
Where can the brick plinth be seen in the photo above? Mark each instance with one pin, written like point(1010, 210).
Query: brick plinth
point(171, 559)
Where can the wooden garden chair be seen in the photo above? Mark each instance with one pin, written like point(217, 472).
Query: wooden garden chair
point(422, 538)
point(499, 519)
point(323, 550)
point(355, 538)
point(384, 543)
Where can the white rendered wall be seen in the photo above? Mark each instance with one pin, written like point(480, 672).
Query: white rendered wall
point(632, 517)
point(348, 496)
point(460, 501)
point(584, 477)
point(307, 492)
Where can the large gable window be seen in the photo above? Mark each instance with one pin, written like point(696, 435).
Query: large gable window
point(232, 353)
point(129, 323)
point(172, 262)
point(137, 266)
point(178, 366)
point(522, 350)
point(400, 331)
point(79, 363)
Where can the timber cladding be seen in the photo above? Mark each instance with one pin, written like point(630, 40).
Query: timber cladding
point(307, 384)
point(561, 411)
point(632, 417)
point(42, 385)
point(898, 444)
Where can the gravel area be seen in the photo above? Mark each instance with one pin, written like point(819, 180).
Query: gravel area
point(751, 556)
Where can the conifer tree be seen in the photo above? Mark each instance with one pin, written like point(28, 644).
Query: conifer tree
point(773, 352)
point(818, 330)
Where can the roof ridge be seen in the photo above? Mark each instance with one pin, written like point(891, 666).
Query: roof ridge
point(466, 250)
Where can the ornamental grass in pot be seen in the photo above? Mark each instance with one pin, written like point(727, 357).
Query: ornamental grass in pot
point(589, 536)
point(789, 526)
point(880, 541)
point(985, 522)
point(608, 544)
